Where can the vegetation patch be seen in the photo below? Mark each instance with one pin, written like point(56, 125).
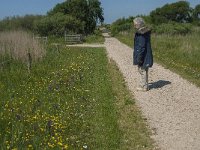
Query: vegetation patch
point(18, 44)
point(72, 99)
point(97, 37)
point(134, 130)
point(65, 103)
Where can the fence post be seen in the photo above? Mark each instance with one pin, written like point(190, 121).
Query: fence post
point(45, 39)
point(57, 47)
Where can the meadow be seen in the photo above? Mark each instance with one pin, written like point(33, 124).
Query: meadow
point(179, 53)
point(73, 98)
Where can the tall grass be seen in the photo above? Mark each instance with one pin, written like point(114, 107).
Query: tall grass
point(134, 129)
point(17, 44)
point(73, 99)
point(180, 53)
point(65, 103)
point(96, 37)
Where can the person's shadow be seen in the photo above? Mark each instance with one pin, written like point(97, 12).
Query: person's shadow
point(158, 84)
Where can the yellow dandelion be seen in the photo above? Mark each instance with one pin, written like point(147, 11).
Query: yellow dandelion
point(60, 144)
point(50, 145)
point(65, 146)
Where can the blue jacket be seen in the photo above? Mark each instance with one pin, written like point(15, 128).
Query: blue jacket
point(142, 54)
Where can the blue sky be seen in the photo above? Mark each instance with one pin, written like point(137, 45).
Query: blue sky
point(113, 9)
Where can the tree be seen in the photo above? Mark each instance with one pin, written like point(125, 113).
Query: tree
point(88, 12)
point(26, 22)
point(121, 24)
point(57, 24)
point(177, 12)
point(95, 15)
point(196, 13)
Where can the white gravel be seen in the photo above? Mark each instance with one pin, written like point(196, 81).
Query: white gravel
point(86, 45)
point(172, 106)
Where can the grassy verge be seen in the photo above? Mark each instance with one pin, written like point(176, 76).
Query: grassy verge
point(65, 103)
point(178, 53)
point(95, 38)
point(90, 39)
point(134, 130)
point(74, 99)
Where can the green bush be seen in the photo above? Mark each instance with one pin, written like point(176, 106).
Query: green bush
point(178, 12)
point(172, 28)
point(57, 24)
point(26, 22)
point(95, 38)
point(121, 25)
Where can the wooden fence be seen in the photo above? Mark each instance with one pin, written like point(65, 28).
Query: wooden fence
point(44, 39)
point(73, 38)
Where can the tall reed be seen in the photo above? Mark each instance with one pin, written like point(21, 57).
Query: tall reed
point(19, 44)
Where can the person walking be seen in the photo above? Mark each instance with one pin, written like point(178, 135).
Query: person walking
point(142, 54)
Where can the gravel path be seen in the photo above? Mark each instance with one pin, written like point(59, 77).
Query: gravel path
point(172, 106)
point(86, 45)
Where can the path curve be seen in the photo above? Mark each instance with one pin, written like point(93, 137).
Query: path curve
point(172, 106)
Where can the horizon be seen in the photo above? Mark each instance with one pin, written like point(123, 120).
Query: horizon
point(113, 9)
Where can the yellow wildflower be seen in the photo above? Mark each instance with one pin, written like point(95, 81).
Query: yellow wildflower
point(65, 146)
point(50, 145)
point(59, 143)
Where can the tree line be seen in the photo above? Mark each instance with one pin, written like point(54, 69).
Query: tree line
point(71, 16)
point(171, 18)
point(178, 12)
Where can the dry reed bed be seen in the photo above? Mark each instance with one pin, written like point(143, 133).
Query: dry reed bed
point(17, 45)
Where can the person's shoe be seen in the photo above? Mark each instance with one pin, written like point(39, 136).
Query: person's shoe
point(142, 89)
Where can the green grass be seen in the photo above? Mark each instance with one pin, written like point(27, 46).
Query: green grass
point(178, 53)
point(94, 38)
point(66, 101)
point(74, 99)
point(135, 133)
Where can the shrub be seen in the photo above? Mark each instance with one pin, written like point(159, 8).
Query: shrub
point(172, 28)
point(121, 25)
point(26, 23)
point(57, 24)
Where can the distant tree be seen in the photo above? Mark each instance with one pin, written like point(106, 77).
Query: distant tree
point(89, 12)
point(57, 24)
point(122, 24)
point(94, 15)
point(177, 12)
point(196, 12)
point(26, 22)
point(11, 23)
